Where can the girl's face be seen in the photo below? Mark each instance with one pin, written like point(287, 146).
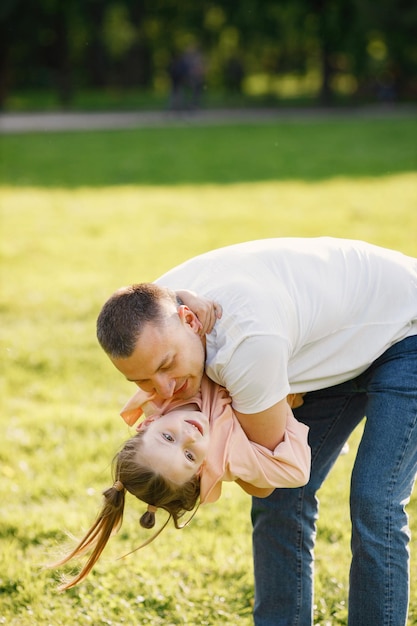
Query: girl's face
point(176, 444)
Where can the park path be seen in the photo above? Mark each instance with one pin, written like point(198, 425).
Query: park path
point(69, 121)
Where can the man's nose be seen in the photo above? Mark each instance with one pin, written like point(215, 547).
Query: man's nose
point(164, 386)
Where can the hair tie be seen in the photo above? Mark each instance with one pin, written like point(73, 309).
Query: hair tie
point(148, 518)
point(118, 485)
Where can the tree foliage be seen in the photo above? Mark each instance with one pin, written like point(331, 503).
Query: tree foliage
point(359, 46)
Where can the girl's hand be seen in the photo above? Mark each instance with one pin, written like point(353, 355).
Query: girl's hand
point(207, 311)
point(295, 400)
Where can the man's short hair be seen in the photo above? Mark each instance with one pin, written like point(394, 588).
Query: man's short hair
point(124, 314)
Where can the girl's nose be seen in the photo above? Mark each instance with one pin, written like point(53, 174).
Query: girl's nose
point(190, 433)
point(189, 436)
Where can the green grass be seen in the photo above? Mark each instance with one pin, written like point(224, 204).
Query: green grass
point(259, 90)
point(69, 238)
point(86, 100)
point(220, 154)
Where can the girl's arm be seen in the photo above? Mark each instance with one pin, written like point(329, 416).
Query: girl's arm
point(259, 492)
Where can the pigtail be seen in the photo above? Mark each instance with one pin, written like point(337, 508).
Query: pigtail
point(107, 523)
point(146, 486)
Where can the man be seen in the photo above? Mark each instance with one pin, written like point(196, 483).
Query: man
point(336, 320)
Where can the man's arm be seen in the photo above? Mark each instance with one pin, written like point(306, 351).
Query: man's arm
point(266, 427)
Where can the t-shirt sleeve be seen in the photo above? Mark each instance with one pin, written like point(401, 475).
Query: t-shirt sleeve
point(256, 373)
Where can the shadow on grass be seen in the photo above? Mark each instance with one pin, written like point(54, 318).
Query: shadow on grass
point(305, 149)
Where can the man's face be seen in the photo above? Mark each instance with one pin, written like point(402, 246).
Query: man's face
point(168, 358)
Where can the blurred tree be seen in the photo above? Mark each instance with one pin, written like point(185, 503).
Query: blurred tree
point(61, 45)
point(391, 39)
point(37, 45)
point(17, 36)
point(335, 24)
point(139, 68)
point(56, 47)
point(9, 10)
point(95, 53)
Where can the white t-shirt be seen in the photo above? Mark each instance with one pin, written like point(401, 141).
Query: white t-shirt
point(299, 314)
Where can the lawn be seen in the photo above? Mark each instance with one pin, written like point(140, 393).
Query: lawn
point(83, 213)
point(309, 150)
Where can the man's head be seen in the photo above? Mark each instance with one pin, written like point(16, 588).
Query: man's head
point(152, 340)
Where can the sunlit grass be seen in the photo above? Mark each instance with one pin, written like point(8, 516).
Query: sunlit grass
point(63, 251)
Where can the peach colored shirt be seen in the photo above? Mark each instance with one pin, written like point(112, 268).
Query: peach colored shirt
point(231, 455)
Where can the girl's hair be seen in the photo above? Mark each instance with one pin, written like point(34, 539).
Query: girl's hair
point(142, 482)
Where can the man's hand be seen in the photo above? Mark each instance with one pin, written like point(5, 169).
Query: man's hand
point(207, 311)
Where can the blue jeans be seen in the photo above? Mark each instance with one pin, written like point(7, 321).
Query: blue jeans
point(284, 524)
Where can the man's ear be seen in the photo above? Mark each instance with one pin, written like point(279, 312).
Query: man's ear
point(188, 317)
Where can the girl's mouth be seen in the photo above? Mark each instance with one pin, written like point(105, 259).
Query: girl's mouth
point(196, 425)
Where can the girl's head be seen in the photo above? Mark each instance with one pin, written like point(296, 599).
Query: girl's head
point(177, 441)
point(161, 465)
point(175, 445)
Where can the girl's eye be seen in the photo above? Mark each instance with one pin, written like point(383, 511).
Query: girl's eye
point(189, 456)
point(168, 437)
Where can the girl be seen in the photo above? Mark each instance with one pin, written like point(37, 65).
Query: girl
point(179, 457)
